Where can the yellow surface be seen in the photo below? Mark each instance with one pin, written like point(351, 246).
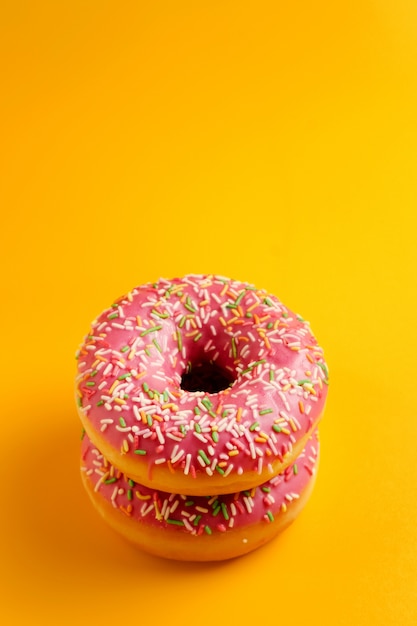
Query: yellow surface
point(274, 142)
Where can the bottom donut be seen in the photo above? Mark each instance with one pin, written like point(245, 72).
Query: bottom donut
point(198, 528)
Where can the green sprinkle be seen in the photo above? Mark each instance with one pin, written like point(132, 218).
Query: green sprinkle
point(249, 314)
point(93, 373)
point(149, 420)
point(189, 306)
point(266, 489)
point(204, 456)
point(197, 410)
point(140, 452)
point(182, 321)
point(82, 434)
point(179, 340)
point(240, 296)
point(276, 428)
point(285, 315)
point(157, 346)
point(129, 494)
point(122, 422)
point(220, 470)
point(304, 381)
point(197, 519)
point(80, 401)
point(100, 403)
point(152, 329)
point(270, 516)
point(254, 426)
point(158, 314)
point(300, 319)
point(270, 325)
point(207, 403)
point(268, 302)
point(123, 376)
point(225, 413)
point(234, 349)
point(231, 305)
point(197, 428)
point(113, 316)
point(265, 411)
point(175, 522)
point(207, 529)
point(224, 511)
point(295, 469)
point(189, 502)
point(217, 510)
point(198, 336)
point(250, 368)
point(110, 480)
point(145, 387)
point(125, 349)
point(131, 482)
point(271, 374)
point(215, 436)
point(90, 383)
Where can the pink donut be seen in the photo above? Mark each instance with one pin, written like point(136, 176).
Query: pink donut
point(198, 528)
point(200, 384)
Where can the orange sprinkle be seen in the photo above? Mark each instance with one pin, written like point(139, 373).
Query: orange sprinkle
point(301, 406)
point(242, 338)
point(204, 303)
point(309, 357)
point(293, 426)
point(233, 452)
point(170, 467)
point(286, 387)
point(127, 510)
point(119, 401)
point(140, 374)
point(239, 414)
point(143, 416)
point(283, 507)
point(138, 320)
point(114, 385)
point(253, 306)
point(260, 440)
point(222, 321)
point(125, 446)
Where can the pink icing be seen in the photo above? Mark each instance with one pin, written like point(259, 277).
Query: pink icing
point(131, 364)
point(200, 514)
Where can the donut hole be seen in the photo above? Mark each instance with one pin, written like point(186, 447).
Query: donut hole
point(206, 376)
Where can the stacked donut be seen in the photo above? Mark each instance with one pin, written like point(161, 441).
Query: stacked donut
point(200, 399)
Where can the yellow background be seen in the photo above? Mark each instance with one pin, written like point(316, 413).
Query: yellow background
point(274, 142)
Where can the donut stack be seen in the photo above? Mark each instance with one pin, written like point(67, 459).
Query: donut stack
point(199, 399)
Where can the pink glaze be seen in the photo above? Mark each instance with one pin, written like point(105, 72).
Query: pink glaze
point(197, 515)
point(130, 369)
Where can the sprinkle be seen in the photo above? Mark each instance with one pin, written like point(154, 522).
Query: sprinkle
point(140, 452)
point(265, 411)
point(204, 456)
point(152, 329)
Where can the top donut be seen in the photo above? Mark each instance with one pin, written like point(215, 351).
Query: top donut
point(200, 385)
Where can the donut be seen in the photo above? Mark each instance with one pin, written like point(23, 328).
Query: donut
point(200, 384)
point(198, 528)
